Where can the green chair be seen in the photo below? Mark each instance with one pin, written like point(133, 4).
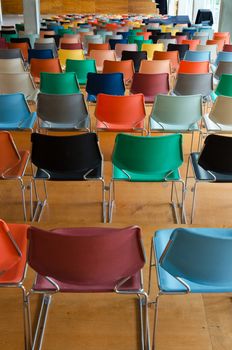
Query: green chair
point(132, 38)
point(140, 42)
point(63, 31)
point(134, 31)
point(81, 68)
point(148, 159)
point(224, 87)
point(8, 36)
point(59, 83)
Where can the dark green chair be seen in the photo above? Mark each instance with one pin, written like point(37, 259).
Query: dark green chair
point(132, 38)
point(81, 68)
point(59, 83)
point(224, 87)
point(147, 159)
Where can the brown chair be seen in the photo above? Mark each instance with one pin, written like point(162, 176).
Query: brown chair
point(125, 67)
point(50, 65)
point(94, 46)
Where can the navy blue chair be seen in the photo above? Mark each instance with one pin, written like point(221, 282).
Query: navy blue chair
point(189, 32)
point(106, 83)
point(125, 35)
point(191, 260)
point(42, 54)
point(113, 42)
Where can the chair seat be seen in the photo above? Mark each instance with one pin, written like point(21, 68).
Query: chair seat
point(16, 273)
point(167, 282)
point(26, 123)
point(170, 127)
point(43, 284)
point(68, 175)
point(19, 168)
point(203, 175)
point(119, 127)
point(211, 126)
point(64, 126)
point(118, 174)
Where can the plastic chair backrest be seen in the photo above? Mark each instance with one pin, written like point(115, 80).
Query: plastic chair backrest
point(221, 112)
point(223, 56)
point(9, 155)
point(171, 110)
point(12, 65)
point(194, 67)
point(119, 48)
point(10, 54)
point(192, 84)
point(180, 38)
point(155, 66)
point(156, 155)
point(224, 86)
point(192, 43)
point(59, 83)
point(203, 38)
point(173, 56)
point(223, 68)
point(81, 68)
point(197, 56)
point(11, 83)
point(13, 108)
point(70, 254)
point(136, 56)
point(71, 39)
point(219, 42)
point(108, 37)
point(150, 48)
point(199, 255)
point(101, 55)
point(74, 46)
point(210, 48)
point(113, 42)
point(125, 67)
point(50, 65)
point(39, 54)
point(181, 48)
point(222, 35)
point(227, 48)
point(70, 54)
point(165, 42)
point(125, 111)
point(22, 46)
point(95, 47)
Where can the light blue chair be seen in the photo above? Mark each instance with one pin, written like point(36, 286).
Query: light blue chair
point(223, 56)
point(191, 260)
point(189, 31)
point(197, 56)
point(15, 113)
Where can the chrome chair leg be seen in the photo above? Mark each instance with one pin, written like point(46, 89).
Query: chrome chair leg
point(111, 200)
point(156, 304)
point(194, 201)
point(23, 187)
point(26, 320)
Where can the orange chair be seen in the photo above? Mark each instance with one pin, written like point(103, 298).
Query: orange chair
point(155, 66)
point(102, 55)
point(50, 65)
point(192, 43)
point(13, 164)
point(222, 35)
point(180, 38)
point(125, 67)
point(120, 113)
point(46, 32)
point(194, 67)
point(219, 42)
point(72, 39)
point(13, 247)
point(173, 56)
point(22, 46)
point(93, 46)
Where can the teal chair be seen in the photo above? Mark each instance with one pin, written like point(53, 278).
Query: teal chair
point(132, 38)
point(59, 83)
point(147, 159)
point(8, 36)
point(224, 87)
point(140, 42)
point(190, 260)
point(81, 68)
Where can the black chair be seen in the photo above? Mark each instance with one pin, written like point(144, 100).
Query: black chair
point(21, 40)
point(181, 48)
point(113, 42)
point(135, 56)
point(154, 31)
point(65, 158)
point(156, 37)
point(213, 164)
point(10, 31)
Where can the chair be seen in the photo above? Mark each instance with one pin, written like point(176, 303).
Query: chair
point(13, 265)
point(92, 39)
point(56, 37)
point(15, 113)
point(119, 48)
point(144, 34)
point(190, 260)
point(181, 48)
point(155, 66)
point(21, 40)
point(219, 119)
point(165, 42)
point(151, 48)
point(132, 39)
point(189, 31)
point(65, 158)
point(173, 56)
point(223, 56)
point(203, 38)
point(120, 256)
point(108, 37)
point(50, 65)
point(39, 54)
point(150, 85)
point(99, 46)
point(194, 84)
point(222, 35)
point(219, 42)
point(223, 68)
point(11, 65)
point(47, 46)
point(11, 54)
point(113, 42)
point(227, 48)
point(125, 67)
point(11, 83)
point(102, 55)
point(76, 46)
point(59, 83)
point(147, 159)
point(210, 48)
point(3, 43)
point(193, 67)
point(224, 86)
point(180, 37)
point(120, 113)
point(70, 39)
point(62, 112)
point(135, 56)
point(8, 36)
point(197, 56)
point(192, 43)
point(71, 55)
point(81, 68)
point(13, 164)
point(213, 164)
point(22, 46)
point(106, 83)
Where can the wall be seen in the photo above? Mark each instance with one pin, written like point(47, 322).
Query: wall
point(225, 23)
point(83, 6)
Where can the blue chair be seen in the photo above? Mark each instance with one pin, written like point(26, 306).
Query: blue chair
point(15, 113)
point(191, 260)
point(197, 56)
point(42, 54)
point(113, 42)
point(189, 32)
point(224, 57)
point(125, 35)
point(106, 83)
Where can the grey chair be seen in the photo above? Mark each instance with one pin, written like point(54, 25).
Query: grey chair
point(63, 112)
point(223, 68)
point(10, 53)
point(202, 38)
point(193, 84)
point(47, 46)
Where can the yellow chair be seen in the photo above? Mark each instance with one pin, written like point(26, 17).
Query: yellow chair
point(150, 48)
point(70, 54)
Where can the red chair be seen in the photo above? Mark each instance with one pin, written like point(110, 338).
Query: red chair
point(125, 67)
point(222, 35)
point(150, 85)
point(192, 43)
point(227, 47)
point(13, 247)
point(193, 67)
point(3, 43)
point(87, 260)
point(71, 46)
point(120, 113)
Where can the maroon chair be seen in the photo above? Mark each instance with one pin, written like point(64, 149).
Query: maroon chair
point(3, 43)
point(87, 260)
point(71, 46)
point(227, 47)
point(150, 85)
